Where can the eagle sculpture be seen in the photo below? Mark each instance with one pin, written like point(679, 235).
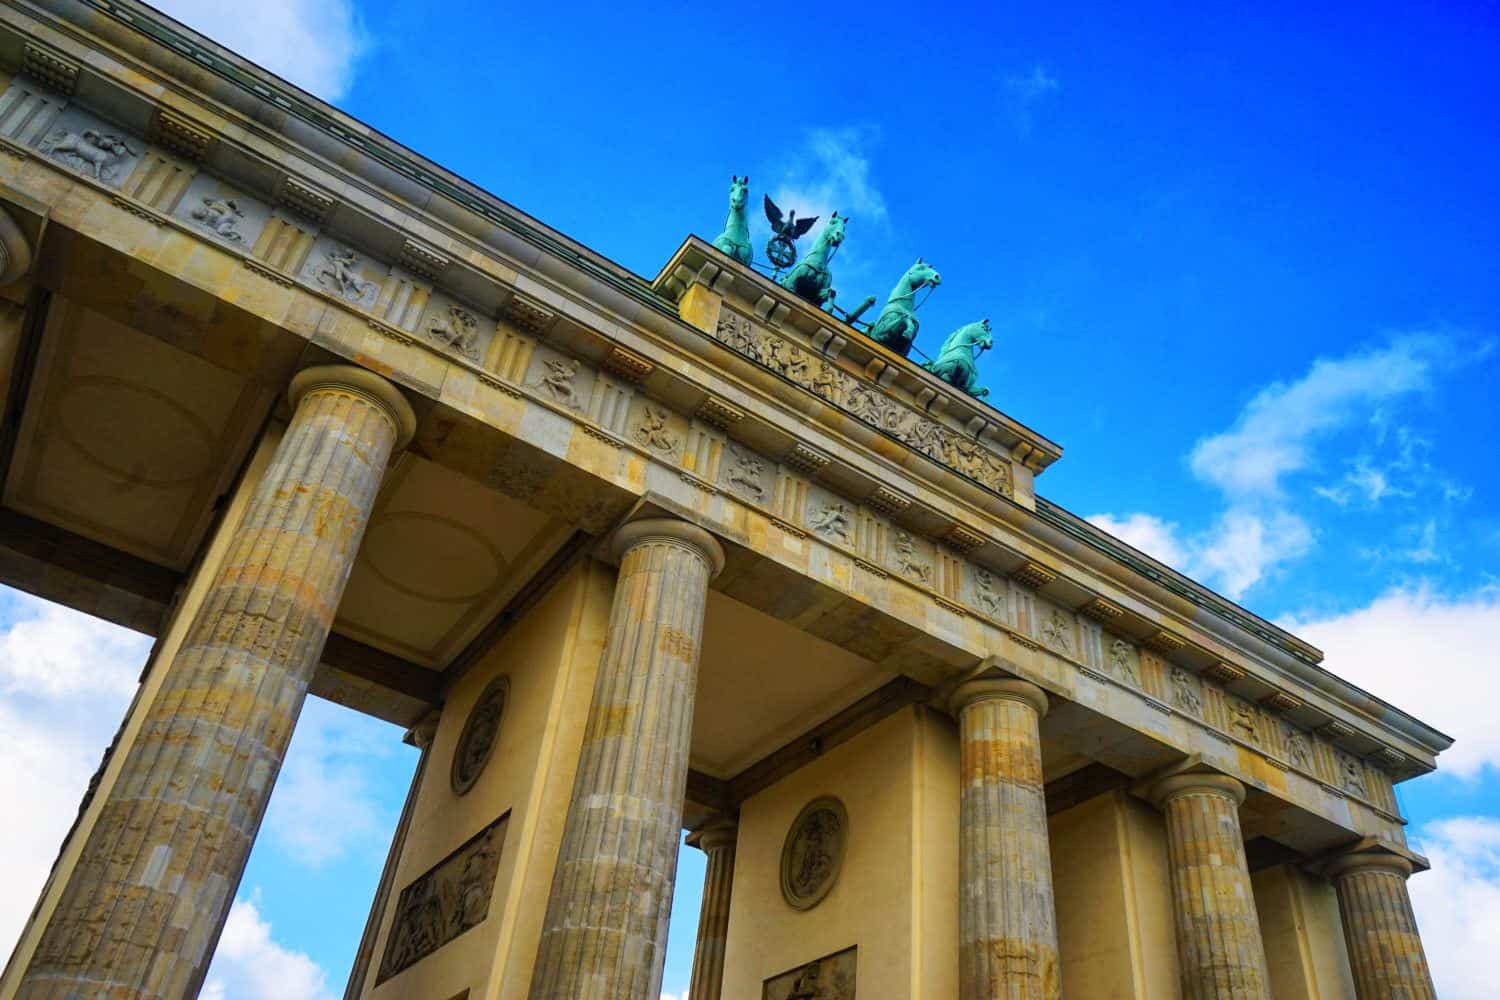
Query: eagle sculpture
point(790, 229)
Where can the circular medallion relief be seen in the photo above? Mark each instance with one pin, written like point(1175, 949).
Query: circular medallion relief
point(481, 733)
point(813, 852)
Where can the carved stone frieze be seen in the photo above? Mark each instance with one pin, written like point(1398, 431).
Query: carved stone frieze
point(653, 430)
point(1224, 673)
point(106, 156)
point(887, 501)
point(829, 978)
point(1122, 659)
point(557, 381)
point(987, 593)
point(808, 461)
point(1185, 697)
point(1298, 747)
point(1033, 575)
point(907, 560)
point(869, 403)
point(1351, 774)
point(1102, 611)
point(814, 852)
point(49, 69)
point(745, 473)
point(1165, 642)
point(720, 414)
point(455, 329)
point(533, 317)
point(1055, 631)
point(305, 200)
point(833, 521)
point(1242, 721)
point(176, 134)
point(628, 365)
point(337, 269)
point(452, 897)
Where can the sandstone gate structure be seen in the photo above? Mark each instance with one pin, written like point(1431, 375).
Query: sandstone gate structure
point(627, 557)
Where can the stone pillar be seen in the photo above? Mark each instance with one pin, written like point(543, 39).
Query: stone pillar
point(605, 933)
point(717, 840)
point(1007, 929)
point(1385, 950)
point(142, 911)
point(1218, 933)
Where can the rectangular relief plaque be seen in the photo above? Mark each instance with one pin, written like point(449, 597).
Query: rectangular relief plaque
point(828, 978)
point(453, 896)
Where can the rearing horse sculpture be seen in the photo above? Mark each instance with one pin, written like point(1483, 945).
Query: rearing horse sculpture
point(896, 326)
point(735, 239)
point(955, 362)
point(811, 279)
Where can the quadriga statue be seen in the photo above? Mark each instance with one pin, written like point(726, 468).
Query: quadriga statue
point(735, 239)
point(955, 362)
point(811, 279)
point(896, 326)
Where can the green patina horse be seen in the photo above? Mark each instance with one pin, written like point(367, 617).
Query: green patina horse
point(955, 362)
point(811, 279)
point(896, 326)
point(735, 239)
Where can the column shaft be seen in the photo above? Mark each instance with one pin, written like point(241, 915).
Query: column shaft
point(1218, 931)
point(143, 908)
point(1007, 918)
point(604, 934)
point(1385, 950)
point(718, 842)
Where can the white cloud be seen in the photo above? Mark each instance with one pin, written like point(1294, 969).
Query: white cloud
point(315, 44)
point(1458, 904)
point(1275, 437)
point(251, 965)
point(1025, 93)
point(1415, 648)
point(832, 173)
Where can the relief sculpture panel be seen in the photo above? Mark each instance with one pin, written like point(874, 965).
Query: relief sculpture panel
point(829, 978)
point(452, 897)
point(814, 852)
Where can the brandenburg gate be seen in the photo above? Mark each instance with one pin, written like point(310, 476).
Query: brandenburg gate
point(626, 557)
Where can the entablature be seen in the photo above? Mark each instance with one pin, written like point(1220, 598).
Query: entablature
point(919, 477)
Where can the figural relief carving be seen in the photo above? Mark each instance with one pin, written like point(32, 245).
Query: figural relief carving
point(480, 734)
point(1242, 722)
point(452, 897)
point(336, 272)
point(831, 521)
point(220, 216)
point(653, 431)
point(991, 601)
point(1351, 775)
point(1122, 662)
point(906, 557)
point(829, 978)
point(1184, 693)
point(456, 329)
point(1055, 630)
point(814, 852)
point(558, 382)
point(744, 475)
point(98, 154)
point(942, 444)
point(1298, 748)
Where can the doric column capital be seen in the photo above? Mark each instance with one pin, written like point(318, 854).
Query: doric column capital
point(1381, 862)
point(715, 836)
point(670, 529)
point(15, 250)
point(1173, 786)
point(362, 383)
point(998, 689)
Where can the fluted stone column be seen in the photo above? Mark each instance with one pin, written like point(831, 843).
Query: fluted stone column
point(142, 910)
point(1218, 932)
point(605, 932)
point(718, 842)
point(1385, 950)
point(1007, 930)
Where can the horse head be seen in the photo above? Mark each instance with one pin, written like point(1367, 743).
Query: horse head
point(922, 273)
point(981, 336)
point(833, 232)
point(739, 192)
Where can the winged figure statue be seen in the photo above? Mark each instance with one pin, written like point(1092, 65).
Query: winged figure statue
point(784, 233)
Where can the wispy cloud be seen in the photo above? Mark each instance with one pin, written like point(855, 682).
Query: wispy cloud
point(315, 44)
point(831, 172)
point(251, 965)
point(1458, 903)
point(1279, 437)
point(1025, 94)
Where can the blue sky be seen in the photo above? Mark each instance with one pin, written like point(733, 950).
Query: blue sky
point(1240, 262)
